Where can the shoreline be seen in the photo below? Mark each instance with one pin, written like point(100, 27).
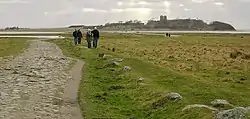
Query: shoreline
point(134, 31)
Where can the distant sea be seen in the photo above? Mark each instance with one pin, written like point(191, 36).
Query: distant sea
point(136, 31)
point(168, 31)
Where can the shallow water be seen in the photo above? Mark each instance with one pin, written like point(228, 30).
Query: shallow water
point(159, 31)
point(198, 32)
point(31, 32)
point(42, 37)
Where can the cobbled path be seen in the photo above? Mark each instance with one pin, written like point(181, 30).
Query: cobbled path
point(32, 84)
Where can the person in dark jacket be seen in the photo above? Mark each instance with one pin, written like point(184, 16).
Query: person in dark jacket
point(89, 38)
point(96, 36)
point(79, 35)
point(75, 37)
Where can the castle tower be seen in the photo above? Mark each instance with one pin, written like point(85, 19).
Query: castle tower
point(165, 18)
point(161, 18)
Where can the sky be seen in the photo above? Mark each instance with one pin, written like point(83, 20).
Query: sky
point(62, 13)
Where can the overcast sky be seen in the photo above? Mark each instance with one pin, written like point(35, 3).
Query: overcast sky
point(58, 13)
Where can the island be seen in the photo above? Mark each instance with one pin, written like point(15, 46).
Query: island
point(165, 24)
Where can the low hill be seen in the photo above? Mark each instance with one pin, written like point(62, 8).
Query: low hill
point(190, 24)
point(216, 25)
point(175, 24)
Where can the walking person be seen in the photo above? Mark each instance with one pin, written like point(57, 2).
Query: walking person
point(75, 37)
point(96, 36)
point(89, 38)
point(79, 35)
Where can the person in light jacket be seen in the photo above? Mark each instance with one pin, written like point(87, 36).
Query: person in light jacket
point(89, 38)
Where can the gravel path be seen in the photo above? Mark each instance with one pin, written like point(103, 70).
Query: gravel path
point(32, 85)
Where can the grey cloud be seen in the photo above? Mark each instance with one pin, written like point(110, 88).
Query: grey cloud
point(56, 13)
point(13, 1)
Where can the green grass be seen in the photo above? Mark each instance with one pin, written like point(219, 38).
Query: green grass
point(12, 46)
point(149, 58)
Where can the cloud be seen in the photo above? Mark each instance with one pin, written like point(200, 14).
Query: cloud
point(142, 3)
point(119, 3)
point(245, 0)
point(167, 3)
point(13, 1)
point(200, 1)
point(140, 10)
point(219, 3)
point(137, 10)
point(132, 3)
point(50, 13)
point(93, 10)
point(187, 9)
point(139, 13)
point(117, 10)
point(46, 13)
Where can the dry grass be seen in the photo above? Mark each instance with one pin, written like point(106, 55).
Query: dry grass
point(186, 54)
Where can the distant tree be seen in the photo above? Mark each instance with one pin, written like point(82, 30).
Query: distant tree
point(137, 21)
point(107, 24)
point(129, 22)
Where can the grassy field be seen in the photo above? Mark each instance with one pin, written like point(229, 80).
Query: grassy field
point(199, 67)
point(12, 46)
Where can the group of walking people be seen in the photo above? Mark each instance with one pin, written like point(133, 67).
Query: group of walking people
point(77, 36)
point(90, 36)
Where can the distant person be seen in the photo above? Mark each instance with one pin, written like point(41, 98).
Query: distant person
point(166, 34)
point(75, 37)
point(89, 38)
point(79, 35)
point(96, 36)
